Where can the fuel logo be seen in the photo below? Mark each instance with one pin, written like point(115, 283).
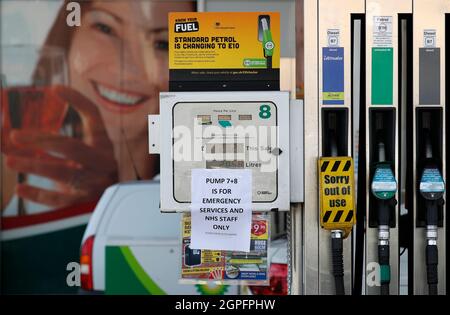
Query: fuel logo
point(186, 27)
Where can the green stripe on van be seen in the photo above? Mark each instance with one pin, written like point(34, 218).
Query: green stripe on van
point(124, 274)
point(140, 273)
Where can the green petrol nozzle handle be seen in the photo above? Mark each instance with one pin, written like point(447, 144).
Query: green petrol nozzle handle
point(268, 45)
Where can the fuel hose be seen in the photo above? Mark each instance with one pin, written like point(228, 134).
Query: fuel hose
point(338, 260)
point(383, 247)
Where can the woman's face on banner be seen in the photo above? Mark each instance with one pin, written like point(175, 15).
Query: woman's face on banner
point(119, 59)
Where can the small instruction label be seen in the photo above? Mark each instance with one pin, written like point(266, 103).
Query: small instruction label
point(429, 38)
point(382, 31)
point(333, 37)
point(221, 209)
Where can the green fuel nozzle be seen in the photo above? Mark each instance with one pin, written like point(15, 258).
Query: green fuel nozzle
point(268, 45)
point(384, 184)
point(384, 188)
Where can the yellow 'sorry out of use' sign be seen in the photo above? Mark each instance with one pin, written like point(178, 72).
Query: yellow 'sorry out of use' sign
point(336, 193)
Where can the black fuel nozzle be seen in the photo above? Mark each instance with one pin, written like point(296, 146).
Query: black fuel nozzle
point(432, 189)
point(384, 184)
point(431, 186)
point(332, 126)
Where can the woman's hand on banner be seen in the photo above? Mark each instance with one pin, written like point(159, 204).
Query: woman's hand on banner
point(83, 168)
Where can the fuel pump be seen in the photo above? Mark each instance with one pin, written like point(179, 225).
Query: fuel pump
point(431, 189)
point(384, 188)
point(385, 100)
point(211, 130)
point(429, 115)
point(332, 40)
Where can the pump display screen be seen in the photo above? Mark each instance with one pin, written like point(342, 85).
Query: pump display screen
point(235, 135)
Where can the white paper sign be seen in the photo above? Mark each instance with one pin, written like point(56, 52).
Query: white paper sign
point(221, 213)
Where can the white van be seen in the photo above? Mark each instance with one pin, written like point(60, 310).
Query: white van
point(129, 247)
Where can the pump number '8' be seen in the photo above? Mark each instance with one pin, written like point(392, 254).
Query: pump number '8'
point(264, 112)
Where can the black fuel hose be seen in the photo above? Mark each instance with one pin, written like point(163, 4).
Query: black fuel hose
point(431, 250)
point(338, 262)
point(383, 245)
point(432, 272)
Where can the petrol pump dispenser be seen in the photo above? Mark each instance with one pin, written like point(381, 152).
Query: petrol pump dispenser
point(427, 266)
point(386, 79)
point(224, 139)
point(223, 130)
point(330, 37)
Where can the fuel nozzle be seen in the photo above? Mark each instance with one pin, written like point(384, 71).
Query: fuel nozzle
point(432, 186)
point(384, 184)
point(268, 45)
point(432, 189)
point(384, 188)
point(332, 125)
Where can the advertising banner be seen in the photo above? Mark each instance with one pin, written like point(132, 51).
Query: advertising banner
point(224, 51)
